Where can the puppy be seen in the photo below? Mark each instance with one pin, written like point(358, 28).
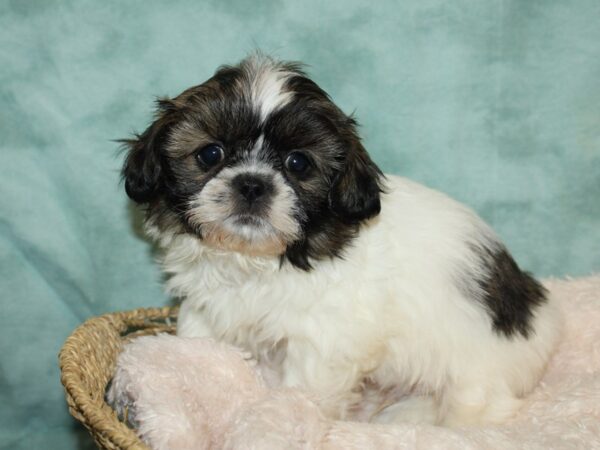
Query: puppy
point(283, 237)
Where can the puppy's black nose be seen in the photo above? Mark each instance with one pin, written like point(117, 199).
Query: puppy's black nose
point(250, 186)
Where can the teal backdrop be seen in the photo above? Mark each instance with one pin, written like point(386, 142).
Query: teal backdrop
point(495, 102)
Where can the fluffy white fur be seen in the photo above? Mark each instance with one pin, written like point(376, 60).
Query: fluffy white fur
point(390, 312)
point(268, 80)
point(199, 394)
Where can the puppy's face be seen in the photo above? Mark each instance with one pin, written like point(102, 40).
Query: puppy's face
point(256, 160)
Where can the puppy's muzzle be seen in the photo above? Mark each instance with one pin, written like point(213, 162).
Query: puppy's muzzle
point(253, 192)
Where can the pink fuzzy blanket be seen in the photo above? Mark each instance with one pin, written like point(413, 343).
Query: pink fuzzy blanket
point(199, 394)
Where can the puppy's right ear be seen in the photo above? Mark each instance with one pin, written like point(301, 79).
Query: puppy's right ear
point(143, 170)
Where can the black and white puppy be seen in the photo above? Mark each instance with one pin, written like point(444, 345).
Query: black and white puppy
point(284, 238)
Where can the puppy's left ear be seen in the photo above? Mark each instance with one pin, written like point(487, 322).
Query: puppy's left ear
point(355, 193)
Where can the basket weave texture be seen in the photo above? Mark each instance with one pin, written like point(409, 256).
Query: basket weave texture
point(87, 362)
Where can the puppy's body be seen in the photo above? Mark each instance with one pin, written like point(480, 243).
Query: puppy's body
point(421, 300)
point(402, 308)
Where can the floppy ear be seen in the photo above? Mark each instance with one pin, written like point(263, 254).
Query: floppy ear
point(355, 193)
point(143, 170)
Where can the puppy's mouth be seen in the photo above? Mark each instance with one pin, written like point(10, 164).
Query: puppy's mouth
point(251, 220)
point(245, 233)
point(251, 227)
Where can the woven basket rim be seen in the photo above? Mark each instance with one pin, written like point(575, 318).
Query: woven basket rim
point(89, 355)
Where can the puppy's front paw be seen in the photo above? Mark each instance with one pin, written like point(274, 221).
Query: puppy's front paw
point(120, 399)
point(416, 409)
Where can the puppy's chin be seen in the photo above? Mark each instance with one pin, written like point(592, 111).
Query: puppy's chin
point(248, 235)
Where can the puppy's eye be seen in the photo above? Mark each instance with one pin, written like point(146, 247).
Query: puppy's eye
point(211, 155)
point(297, 163)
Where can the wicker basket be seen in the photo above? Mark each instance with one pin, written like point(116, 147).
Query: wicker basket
point(87, 361)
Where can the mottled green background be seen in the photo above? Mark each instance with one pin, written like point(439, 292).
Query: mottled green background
point(495, 102)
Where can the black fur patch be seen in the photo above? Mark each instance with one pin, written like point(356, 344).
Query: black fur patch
point(510, 295)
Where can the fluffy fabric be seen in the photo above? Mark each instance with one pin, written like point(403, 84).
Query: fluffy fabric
point(191, 393)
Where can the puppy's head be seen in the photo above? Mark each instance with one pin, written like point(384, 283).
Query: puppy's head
point(256, 160)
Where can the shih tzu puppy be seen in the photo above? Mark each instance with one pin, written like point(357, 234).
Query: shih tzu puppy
point(283, 237)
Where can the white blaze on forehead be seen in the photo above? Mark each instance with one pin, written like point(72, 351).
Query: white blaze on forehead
point(258, 146)
point(267, 86)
